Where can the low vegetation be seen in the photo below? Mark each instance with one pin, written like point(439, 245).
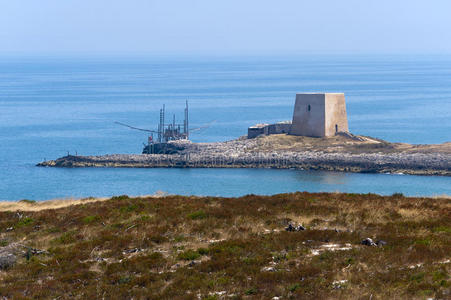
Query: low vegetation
point(178, 247)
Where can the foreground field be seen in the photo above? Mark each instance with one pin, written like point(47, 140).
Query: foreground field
point(178, 247)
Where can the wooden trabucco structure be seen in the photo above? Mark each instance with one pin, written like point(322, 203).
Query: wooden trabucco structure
point(166, 133)
point(172, 131)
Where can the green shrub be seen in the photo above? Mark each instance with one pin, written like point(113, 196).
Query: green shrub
point(397, 195)
point(188, 255)
point(417, 277)
point(128, 208)
point(292, 288)
point(25, 222)
point(65, 238)
point(439, 275)
point(158, 239)
point(202, 251)
point(179, 238)
point(426, 293)
point(145, 218)
point(90, 219)
point(121, 197)
point(124, 280)
point(156, 255)
point(425, 242)
point(350, 261)
point(197, 215)
point(251, 291)
point(53, 230)
point(442, 229)
point(27, 201)
point(444, 283)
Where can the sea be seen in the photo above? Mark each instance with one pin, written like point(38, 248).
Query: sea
point(51, 106)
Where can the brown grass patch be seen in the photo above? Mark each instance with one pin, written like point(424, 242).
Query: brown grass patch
point(178, 247)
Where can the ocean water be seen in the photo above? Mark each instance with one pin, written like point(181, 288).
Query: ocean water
point(51, 106)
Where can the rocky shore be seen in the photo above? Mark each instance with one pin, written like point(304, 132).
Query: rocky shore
point(340, 153)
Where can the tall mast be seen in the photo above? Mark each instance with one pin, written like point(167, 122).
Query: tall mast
point(162, 123)
point(186, 121)
point(160, 127)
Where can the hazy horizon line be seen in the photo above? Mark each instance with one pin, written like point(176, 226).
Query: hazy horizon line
point(250, 54)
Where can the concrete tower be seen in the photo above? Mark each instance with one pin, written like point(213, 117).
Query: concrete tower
point(319, 114)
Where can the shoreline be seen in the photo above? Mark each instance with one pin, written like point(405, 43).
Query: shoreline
point(340, 154)
point(26, 205)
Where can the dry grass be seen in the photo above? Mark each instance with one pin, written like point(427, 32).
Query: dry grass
point(143, 248)
point(328, 144)
point(27, 205)
point(341, 144)
point(31, 205)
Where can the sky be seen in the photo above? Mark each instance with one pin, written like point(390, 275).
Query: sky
point(225, 26)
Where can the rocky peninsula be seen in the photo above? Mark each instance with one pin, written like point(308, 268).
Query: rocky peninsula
point(346, 153)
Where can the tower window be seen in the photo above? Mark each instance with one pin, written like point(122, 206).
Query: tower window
point(308, 107)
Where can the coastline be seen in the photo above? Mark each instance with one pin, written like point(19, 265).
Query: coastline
point(342, 154)
point(26, 205)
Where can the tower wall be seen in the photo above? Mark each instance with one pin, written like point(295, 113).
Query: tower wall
point(336, 117)
point(319, 114)
point(309, 115)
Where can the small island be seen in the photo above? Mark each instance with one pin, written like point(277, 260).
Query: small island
point(338, 153)
point(316, 139)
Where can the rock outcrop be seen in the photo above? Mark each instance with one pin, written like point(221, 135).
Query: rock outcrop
point(341, 153)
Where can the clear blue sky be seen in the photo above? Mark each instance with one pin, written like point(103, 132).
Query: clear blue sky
point(225, 26)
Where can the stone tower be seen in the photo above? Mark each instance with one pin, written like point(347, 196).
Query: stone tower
point(319, 114)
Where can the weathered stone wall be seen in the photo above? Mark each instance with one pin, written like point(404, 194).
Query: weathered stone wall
point(319, 115)
point(309, 115)
point(336, 117)
point(253, 132)
point(267, 129)
point(279, 128)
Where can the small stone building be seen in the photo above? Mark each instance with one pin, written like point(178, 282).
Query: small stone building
point(267, 129)
point(319, 115)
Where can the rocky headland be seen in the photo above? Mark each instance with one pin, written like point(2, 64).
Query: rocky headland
point(347, 153)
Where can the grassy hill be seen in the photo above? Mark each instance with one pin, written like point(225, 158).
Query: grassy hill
point(176, 247)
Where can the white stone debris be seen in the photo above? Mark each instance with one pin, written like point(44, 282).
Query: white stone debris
point(338, 284)
point(217, 293)
point(330, 247)
point(415, 266)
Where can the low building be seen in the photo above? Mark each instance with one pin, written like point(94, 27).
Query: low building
point(267, 129)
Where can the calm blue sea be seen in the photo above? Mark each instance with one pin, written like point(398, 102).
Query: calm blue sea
point(50, 106)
